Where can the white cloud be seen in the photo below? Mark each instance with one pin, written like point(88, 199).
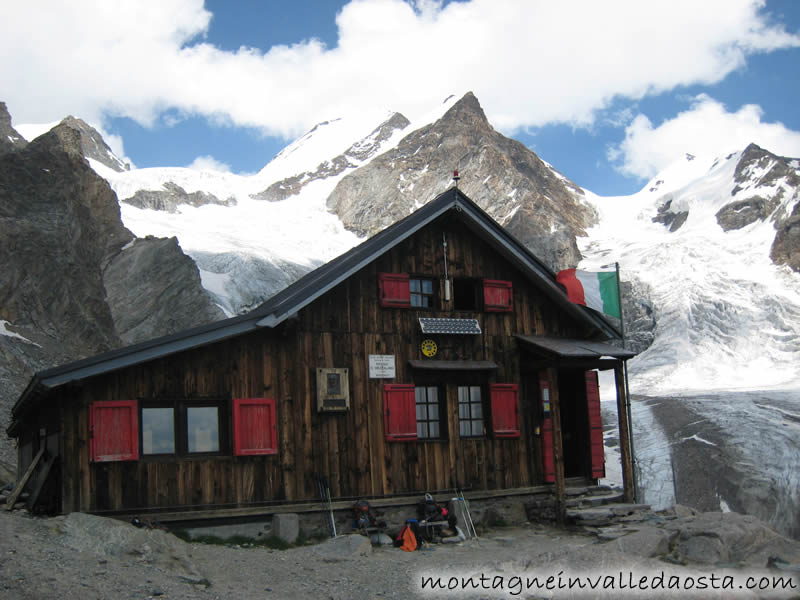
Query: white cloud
point(530, 63)
point(206, 163)
point(707, 128)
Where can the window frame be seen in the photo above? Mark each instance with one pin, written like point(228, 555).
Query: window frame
point(441, 407)
point(432, 296)
point(180, 411)
point(471, 419)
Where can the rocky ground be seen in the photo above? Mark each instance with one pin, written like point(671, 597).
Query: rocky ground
point(80, 557)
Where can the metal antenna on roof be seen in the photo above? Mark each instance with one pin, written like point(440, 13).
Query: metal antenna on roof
point(456, 177)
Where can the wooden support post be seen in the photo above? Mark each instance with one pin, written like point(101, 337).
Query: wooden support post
point(12, 499)
point(624, 434)
point(558, 448)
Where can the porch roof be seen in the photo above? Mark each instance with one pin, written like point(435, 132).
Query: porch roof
point(564, 348)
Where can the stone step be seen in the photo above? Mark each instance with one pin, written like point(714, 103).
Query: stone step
point(608, 514)
point(595, 499)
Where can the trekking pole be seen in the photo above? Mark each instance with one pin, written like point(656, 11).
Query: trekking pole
point(469, 515)
point(330, 505)
point(469, 524)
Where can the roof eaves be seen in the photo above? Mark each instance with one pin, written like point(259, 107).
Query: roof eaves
point(138, 354)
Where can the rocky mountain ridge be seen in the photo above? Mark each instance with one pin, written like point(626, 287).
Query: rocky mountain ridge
point(522, 193)
point(10, 139)
point(75, 281)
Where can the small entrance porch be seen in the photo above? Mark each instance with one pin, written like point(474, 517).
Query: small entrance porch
point(560, 378)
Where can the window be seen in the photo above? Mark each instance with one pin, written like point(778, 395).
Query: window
point(421, 293)
point(183, 427)
point(158, 430)
point(254, 427)
point(399, 412)
point(465, 294)
point(490, 295)
point(429, 412)
point(505, 411)
point(113, 431)
point(470, 411)
point(202, 428)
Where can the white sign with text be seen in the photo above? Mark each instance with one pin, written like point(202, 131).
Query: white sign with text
point(381, 366)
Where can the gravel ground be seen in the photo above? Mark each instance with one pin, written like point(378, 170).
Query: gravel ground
point(82, 557)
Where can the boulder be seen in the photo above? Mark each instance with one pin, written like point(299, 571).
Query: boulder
point(344, 548)
point(729, 538)
point(648, 542)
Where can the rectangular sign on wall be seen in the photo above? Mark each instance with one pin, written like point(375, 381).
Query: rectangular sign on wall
point(381, 366)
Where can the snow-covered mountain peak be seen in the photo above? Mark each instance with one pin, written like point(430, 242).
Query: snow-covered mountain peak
point(727, 315)
point(323, 142)
point(683, 171)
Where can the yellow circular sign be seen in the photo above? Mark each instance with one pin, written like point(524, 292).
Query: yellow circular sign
point(428, 348)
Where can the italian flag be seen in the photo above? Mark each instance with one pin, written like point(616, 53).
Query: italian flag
point(599, 291)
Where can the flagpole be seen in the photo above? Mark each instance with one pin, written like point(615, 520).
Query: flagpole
point(627, 390)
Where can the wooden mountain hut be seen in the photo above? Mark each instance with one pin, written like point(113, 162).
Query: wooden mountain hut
point(438, 354)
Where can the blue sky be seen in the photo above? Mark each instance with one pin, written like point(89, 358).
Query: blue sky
point(606, 92)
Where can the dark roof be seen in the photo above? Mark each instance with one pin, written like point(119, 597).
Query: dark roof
point(568, 348)
point(316, 283)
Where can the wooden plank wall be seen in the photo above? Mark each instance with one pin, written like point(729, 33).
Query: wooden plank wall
point(340, 329)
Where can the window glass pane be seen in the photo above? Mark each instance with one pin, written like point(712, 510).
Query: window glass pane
point(414, 285)
point(433, 394)
point(158, 431)
point(433, 412)
point(202, 424)
point(427, 286)
point(477, 427)
point(463, 394)
point(434, 429)
point(422, 412)
point(419, 394)
point(475, 394)
point(463, 411)
point(464, 429)
point(477, 410)
point(421, 430)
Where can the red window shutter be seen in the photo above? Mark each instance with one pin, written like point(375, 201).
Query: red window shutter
point(505, 409)
point(497, 295)
point(394, 290)
point(595, 425)
point(254, 427)
point(548, 464)
point(399, 412)
point(113, 431)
